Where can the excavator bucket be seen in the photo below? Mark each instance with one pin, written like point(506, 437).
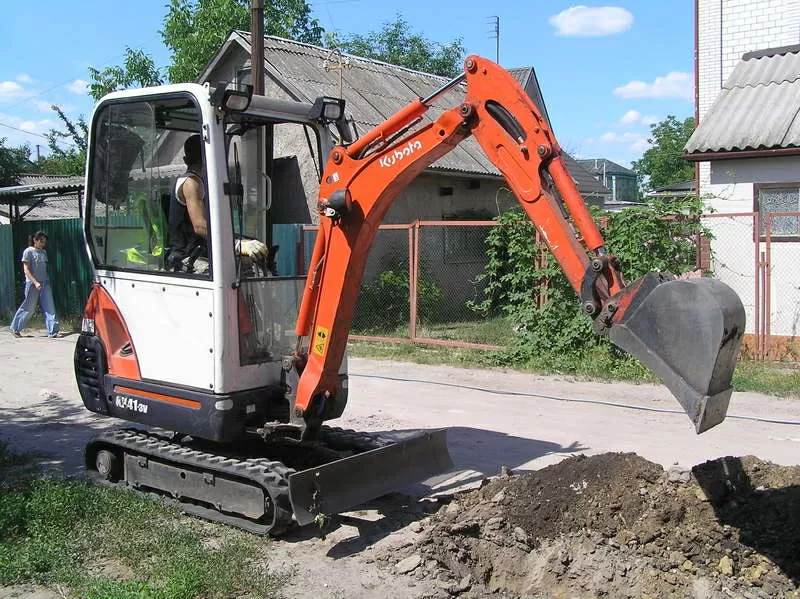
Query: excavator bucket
point(342, 484)
point(687, 331)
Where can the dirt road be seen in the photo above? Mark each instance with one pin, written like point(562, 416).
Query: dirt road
point(495, 418)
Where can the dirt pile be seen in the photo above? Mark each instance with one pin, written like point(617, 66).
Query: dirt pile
point(616, 525)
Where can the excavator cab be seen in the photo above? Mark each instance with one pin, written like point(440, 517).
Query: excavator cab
point(200, 336)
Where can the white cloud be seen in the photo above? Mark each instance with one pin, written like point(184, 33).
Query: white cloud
point(634, 117)
point(79, 86)
point(43, 106)
point(673, 85)
point(10, 90)
point(635, 142)
point(24, 78)
point(595, 21)
point(613, 137)
point(631, 117)
point(39, 126)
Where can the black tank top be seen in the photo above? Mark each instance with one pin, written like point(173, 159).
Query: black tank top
point(182, 238)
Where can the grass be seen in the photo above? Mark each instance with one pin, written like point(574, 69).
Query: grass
point(781, 379)
point(100, 543)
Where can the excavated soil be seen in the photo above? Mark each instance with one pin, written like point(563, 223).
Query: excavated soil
point(617, 525)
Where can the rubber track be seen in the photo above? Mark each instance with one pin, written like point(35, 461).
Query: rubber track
point(271, 476)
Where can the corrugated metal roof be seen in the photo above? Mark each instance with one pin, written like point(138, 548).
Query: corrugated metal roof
point(42, 184)
point(375, 90)
point(757, 108)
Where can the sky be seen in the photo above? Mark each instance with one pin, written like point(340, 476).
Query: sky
point(608, 70)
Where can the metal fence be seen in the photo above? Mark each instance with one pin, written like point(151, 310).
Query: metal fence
point(68, 268)
point(758, 256)
point(421, 279)
point(419, 283)
point(8, 296)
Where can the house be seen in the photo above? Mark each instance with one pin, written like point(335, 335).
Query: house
point(619, 180)
point(747, 150)
point(462, 181)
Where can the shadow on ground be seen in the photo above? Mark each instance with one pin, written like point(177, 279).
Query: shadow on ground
point(52, 428)
point(767, 519)
point(60, 431)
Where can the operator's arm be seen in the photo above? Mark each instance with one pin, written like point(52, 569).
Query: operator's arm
point(192, 192)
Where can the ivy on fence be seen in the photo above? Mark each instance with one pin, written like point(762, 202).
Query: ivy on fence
point(524, 282)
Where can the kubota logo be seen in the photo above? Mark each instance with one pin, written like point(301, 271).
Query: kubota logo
point(400, 153)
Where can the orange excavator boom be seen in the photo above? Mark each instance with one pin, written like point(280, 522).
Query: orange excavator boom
point(687, 331)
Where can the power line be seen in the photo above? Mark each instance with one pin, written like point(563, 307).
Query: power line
point(69, 145)
point(137, 47)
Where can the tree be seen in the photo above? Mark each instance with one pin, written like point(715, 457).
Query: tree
point(195, 30)
point(398, 45)
point(662, 164)
point(69, 160)
point(13, 162)
point(137, 70)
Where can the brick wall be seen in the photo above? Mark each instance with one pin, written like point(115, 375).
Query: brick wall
point(726, 30)
point(729, 28)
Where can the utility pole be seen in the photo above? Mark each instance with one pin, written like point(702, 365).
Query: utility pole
point(495, 23)
point(257, 46)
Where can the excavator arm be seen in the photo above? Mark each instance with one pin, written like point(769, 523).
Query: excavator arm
point(687, 331)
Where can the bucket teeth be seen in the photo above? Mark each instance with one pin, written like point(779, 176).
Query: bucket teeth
point(688, 332)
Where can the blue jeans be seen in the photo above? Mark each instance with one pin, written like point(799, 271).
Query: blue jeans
point(44, 297)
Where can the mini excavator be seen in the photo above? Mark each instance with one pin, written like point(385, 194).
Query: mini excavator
point(233, 371)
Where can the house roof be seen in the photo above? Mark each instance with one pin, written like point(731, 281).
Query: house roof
point(375, 90)
point(42, 197)
point(30, 185)
point(756, 109)
point(680, 189)
point(598, 166)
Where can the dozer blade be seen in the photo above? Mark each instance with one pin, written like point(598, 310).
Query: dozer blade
point(348, 482)
point(688, 332)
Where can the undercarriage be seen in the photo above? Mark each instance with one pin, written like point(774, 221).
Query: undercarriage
point(264, 487)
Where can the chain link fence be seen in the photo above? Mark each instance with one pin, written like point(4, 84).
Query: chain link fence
point(449, 261)
point(757, 257)
point(419, 283)
point(422, 279)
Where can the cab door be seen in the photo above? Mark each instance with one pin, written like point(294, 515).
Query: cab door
point(135, 157)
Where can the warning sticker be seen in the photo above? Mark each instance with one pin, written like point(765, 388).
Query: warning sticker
point(320, 341)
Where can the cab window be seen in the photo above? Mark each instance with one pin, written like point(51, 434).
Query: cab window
point(137, 152)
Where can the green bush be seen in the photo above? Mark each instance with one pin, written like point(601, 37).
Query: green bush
point(555, 334)
point(383, 305)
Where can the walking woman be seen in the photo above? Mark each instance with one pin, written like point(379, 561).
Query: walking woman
point(37, 288)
